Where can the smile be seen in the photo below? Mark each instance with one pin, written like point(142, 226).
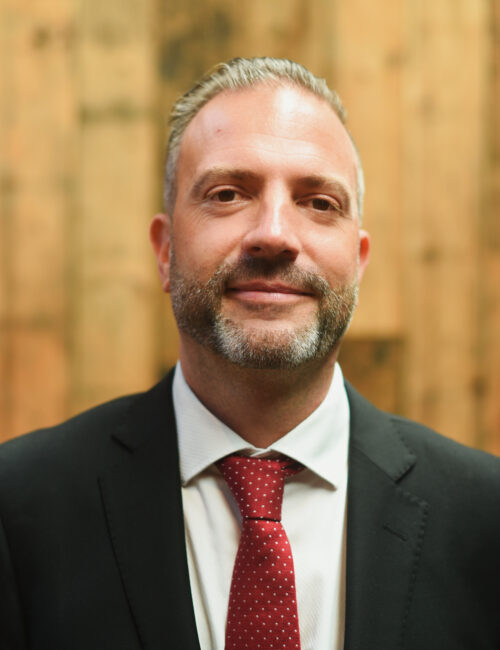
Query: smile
point(267, 292)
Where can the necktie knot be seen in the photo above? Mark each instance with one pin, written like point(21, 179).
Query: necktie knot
point(257, 484)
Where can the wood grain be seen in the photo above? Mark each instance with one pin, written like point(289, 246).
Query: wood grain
point(84, 93)
point(489, 403)
point(37, 138)
point(112, 279)
point(445, 100)
point(374, 367)
point(370, 65)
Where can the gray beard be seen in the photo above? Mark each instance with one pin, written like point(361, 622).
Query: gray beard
point(198, 311)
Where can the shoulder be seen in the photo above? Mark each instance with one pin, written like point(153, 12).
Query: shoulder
point(84, 427)
point(457, 487)
point(429, 444)
point(68, 449)
point(88, 443)
point(437, 460)
point(450, 472)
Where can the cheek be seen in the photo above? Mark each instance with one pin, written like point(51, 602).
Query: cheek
point(201, 250)
point(336, 257)
point(339, 270)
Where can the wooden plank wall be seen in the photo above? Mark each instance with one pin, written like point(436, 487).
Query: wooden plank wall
point(84, 93)
point(113, 302)
point(489, 352)
point(38, 133)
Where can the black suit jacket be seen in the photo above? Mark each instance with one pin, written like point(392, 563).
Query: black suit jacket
point(92, 551)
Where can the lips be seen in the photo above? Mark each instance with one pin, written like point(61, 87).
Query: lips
point(258, 293)
point(267, 287)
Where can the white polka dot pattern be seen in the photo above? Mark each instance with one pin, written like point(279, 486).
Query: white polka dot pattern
point(262, 609)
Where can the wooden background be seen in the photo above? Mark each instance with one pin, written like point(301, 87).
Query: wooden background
point(84, 91)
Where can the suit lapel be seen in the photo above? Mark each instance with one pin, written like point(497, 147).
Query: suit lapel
point(385, 528)
point(142, 500)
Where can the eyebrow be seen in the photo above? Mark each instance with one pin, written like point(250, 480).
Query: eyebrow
point(311, 181)
point(216, 174)
point(328, 184)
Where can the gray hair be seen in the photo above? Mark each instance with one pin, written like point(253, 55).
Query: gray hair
point(234, 75)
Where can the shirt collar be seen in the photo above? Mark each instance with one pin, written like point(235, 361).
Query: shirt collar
point(320, 442)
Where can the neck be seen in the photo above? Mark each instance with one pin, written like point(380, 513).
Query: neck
point(259, 405)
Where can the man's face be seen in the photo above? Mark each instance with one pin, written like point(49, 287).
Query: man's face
point(263, 253)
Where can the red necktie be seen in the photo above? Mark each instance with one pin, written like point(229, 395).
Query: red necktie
point(262, 609)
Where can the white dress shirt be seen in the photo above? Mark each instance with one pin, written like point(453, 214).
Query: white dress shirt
point(313, 514)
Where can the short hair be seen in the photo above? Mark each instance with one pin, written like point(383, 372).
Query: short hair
point(236, 74)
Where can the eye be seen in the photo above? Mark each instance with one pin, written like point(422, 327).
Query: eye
point(225, 195)
point(322, 204)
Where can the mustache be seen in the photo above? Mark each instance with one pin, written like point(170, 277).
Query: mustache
point(260, 268)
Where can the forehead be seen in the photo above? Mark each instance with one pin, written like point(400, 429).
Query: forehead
point(274, 127)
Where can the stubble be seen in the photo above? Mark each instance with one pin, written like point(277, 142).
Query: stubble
point(199, 313)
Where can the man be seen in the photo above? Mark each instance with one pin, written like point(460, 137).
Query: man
point(251, 488)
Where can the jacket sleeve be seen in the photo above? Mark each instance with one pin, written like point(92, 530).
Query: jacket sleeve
point(12, 636)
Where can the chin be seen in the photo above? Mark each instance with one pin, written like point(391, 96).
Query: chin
point(268, 348)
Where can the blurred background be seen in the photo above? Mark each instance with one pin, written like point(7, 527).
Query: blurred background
point(85, 90)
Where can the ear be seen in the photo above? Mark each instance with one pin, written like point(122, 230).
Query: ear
point(159, 235)
point(364, 252)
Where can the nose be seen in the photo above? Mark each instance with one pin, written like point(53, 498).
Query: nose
point(272, 233)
